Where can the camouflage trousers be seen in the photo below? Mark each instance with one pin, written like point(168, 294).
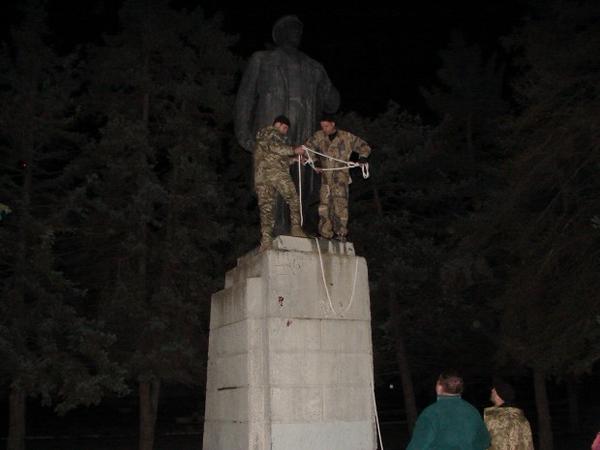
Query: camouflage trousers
point(333, 210)
point(267, 196)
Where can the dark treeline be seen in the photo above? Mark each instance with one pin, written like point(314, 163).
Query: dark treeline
point(124, 199)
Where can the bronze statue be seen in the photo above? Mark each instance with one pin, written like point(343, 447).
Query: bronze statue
point(289, 82)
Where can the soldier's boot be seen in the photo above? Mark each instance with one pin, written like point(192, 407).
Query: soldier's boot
point(296, 228)
point(298, 231)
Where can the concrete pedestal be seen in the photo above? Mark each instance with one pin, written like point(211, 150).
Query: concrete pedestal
point(289, 367)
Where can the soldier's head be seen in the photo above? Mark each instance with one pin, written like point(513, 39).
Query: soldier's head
point(282, 123)
point(502, 392)
point(327, 122)
point(449, 383)
point(287, 31)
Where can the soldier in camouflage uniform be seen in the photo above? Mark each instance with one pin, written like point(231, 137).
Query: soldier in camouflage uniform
point(333, 206)
point(272, 157)
point(508, 426)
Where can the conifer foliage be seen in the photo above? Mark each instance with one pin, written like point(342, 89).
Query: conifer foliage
point(154, 200)
point(49, 346)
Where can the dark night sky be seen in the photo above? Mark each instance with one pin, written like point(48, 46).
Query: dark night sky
point(373, 53)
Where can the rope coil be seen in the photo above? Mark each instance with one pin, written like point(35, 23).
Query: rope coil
point(347, 165)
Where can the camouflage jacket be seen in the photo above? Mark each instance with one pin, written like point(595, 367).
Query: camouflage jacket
point(508, 427)
point(340, 147)
point(272, 155)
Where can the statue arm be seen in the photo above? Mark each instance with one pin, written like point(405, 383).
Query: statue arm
point(245, 104)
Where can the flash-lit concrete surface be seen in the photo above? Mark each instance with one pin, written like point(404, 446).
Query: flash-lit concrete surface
point(289, 366)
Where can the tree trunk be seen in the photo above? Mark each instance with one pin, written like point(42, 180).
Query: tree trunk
point(408, 391)
point(148, 392)
point(469, 132)
point(545, 441)
point(573, 403)
point(410, 404)
point(16, 423)
point(17, 395)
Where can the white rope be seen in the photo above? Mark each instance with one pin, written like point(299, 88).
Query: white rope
point(364, 167)
point(365, 172)
point(300, 189)
point(341, 314)
point(349, 305)
point(375, 410)
point(327, 156)
point(347, 164)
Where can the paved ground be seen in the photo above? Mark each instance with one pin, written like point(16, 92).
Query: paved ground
point(394, 438)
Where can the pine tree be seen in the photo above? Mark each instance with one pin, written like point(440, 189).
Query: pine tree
point(537, 232)
point(550, 318)
point(469, 97)
point(155, 202)
point(402, 220)
point(48, 345)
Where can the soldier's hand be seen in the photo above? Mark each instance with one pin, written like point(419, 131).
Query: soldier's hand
point(299, 150)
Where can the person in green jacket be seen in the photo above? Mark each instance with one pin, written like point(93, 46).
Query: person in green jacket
point(450, 423)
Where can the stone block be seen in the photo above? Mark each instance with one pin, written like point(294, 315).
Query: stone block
point(290, 368)
point(323, 436)
point(302, 369)
point(296, 404)
point(221, 435)
point(346, 336)
point(287, 334)
point(347, 403)
point(231, 371)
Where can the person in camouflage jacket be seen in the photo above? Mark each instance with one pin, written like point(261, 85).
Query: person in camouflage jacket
point(508, 426)
point(272, 157)
point(333, 202)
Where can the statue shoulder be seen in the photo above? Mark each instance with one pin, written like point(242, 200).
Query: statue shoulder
point(312, 63)
point(281, 55)
point(257, 57)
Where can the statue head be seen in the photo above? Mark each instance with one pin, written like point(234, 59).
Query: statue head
point(287, 31)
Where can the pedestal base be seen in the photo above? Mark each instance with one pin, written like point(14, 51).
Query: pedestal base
point(290, 360)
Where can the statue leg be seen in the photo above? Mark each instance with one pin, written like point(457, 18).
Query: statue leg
point(311, 183)
point(311, 186)
point(282, 211)
point(281, 216)
point(287, 190)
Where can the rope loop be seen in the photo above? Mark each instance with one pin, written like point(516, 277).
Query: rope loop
point(347, 165)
